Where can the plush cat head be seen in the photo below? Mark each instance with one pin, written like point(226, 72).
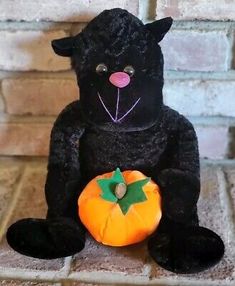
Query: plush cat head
point(119, 68)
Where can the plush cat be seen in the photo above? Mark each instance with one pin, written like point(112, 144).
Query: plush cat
point(121, 121)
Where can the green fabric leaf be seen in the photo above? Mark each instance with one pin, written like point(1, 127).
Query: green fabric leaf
point(134, 194)
point(108, 186)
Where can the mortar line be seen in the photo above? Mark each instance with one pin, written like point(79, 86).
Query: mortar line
point(33, 25)
point(32, 275)
point(229, 56)
point(67, 265)
point(226, 202)
point(70, 75)
point(127, 279)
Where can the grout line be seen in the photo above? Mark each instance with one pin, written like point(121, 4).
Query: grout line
point(2, 100)
point(14, 119)
point(212, 121)
point(13, 203)
point(192, 75)
point(218, 162)
point(67, 265)
point(40, 25)
point(127, 279)
point(70, 75)
point(201, 25)
point(111, 278)
point(25, 274)
point(147, 10)
point(229, 59)
point(226, 201)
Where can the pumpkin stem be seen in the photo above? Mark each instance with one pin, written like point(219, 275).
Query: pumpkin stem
point(120, 190)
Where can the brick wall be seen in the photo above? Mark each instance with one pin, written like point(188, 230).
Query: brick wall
point(35, 84)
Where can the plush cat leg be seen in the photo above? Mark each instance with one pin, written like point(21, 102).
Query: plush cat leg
point(179, 244)
point(60, 234)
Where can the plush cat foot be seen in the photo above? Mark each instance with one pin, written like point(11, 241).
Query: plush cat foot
point(46, 239)
point(189, 250)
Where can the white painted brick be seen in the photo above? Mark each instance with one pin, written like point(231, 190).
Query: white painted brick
point(30, 50)
point(196, 9)
point(60, 10)
point(201, 98)
point(213, 141)
point(196, 50)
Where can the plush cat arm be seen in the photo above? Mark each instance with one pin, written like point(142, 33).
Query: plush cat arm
point(63, 178)
point(180, 183)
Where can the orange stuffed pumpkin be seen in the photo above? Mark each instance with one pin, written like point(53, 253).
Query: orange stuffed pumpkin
point(120, 208)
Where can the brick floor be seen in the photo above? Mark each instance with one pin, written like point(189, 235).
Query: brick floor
point(8, 177)
point(21, 193)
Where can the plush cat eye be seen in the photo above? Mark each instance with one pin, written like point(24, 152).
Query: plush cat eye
point(129, 70)
point(101, 69)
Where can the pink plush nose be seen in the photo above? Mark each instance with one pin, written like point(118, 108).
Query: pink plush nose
point(119, 79)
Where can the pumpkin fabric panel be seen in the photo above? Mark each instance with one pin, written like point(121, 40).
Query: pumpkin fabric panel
point(105, 220)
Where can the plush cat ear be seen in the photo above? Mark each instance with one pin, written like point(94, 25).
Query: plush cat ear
point(159, 28)
point(63, 47)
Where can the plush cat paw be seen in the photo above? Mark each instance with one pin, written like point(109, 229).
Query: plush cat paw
point(46, 239)
point(187, 250)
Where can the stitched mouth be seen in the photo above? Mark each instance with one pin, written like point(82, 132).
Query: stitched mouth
point(116, 118)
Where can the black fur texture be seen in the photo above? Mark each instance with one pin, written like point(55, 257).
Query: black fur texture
point(129, 128)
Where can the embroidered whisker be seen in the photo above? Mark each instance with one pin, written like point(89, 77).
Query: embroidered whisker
point(105, 108)
point(129, 110)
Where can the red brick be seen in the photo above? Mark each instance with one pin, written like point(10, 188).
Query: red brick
point(196, 50)
point(196, 9)
point(99, 258)
point(201, 97)
point(24, 139)
point(213, 141)
point(32, 202)
point(57, 11)
point(30, 50)
point(38, 96)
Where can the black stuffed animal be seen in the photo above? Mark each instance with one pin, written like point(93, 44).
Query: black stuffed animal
point(121, 121)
